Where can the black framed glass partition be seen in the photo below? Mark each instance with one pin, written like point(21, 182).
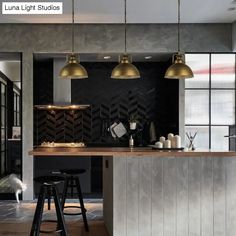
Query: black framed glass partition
point(210, 100)
point(10, 113)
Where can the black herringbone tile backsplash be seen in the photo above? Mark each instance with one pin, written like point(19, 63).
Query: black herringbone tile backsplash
point(151, 98)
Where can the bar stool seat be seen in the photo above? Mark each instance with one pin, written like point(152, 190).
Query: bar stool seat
point(51, 179)
point(48, 189)
point(72, 171)
point(72, 181)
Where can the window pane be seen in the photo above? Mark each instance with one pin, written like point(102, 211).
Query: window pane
point(3, 160)
point(218, 141)
point(223, 71)
point(15, 102)
point(3, 116)
point(3, 134)
point(199, 63)
point(18, 103)
point(3, 94)
point(18, 119)
point(201, 140)
point(14, 118)
point(3, 144)
point(196, 107)
point(223, 107)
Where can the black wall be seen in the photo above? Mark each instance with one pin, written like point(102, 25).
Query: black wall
point(151, 98)
point(43, 81)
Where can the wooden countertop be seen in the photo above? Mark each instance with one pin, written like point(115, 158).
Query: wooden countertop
point(123, 152)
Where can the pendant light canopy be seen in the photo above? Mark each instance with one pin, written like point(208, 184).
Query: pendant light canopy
point(178, 70)
point(125, 69)
point(73, 69)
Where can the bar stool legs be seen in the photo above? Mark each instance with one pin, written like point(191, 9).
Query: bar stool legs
point(38, 213)
point(37, 220)
point(64, 194)
point(69, 182)
point(83, 210)
point(60, 217)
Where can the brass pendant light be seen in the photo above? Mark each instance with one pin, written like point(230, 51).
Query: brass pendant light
point(73, 69)
point(125, 69)
point(178, 70)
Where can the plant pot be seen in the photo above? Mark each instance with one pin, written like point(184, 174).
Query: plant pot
point(132, 125)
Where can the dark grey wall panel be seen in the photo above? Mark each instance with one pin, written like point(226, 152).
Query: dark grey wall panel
point(140, 37)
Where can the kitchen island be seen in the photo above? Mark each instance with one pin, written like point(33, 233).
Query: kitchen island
point(148, 192)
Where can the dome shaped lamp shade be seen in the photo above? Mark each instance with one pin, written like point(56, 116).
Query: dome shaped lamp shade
point(73, 69)
point(125, 69)
point(178, 70)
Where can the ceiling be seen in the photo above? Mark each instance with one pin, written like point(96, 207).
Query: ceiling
point(148, 11)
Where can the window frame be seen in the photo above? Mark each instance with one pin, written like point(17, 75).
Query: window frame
point(210, 89)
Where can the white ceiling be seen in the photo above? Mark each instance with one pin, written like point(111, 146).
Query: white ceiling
point(145, 11)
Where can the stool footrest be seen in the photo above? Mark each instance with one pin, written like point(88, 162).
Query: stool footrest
point(73, 214)
point(50, 231)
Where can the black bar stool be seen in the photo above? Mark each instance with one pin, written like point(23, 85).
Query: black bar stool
point(48, 189)
point(72, 181)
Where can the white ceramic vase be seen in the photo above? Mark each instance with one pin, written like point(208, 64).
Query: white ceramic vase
point(132, 125)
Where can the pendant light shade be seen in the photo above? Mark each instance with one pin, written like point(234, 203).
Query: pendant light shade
point(125, 70)
point(178, 70)
point(73, 69)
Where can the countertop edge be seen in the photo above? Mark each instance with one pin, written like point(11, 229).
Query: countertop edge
point(126, 152)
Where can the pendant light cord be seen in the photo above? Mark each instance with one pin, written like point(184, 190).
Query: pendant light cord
point(178, 26)
point(125, 16)
point(73, 28)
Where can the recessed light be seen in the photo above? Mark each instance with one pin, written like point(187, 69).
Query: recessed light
point(107, 57)
point(148, 57)
point(232, 9)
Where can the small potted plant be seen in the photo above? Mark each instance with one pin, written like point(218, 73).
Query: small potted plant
point(133, 122)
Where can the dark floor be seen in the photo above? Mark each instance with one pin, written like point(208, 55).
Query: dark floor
point(23, 212)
